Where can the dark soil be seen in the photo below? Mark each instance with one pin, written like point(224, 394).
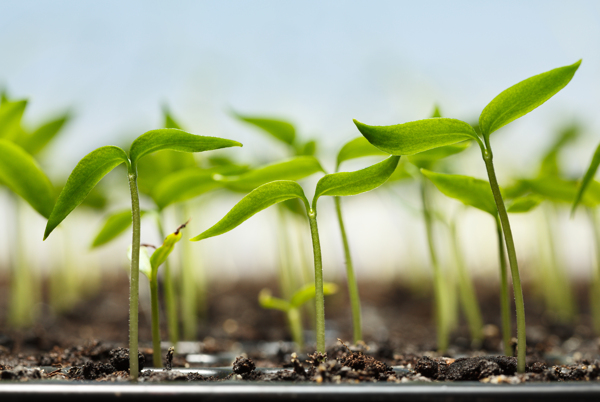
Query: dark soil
point(398, 329)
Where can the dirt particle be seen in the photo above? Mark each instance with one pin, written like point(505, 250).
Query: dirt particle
point(243, 365)
point(119, 358)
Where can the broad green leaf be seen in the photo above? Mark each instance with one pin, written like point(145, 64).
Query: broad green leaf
point(175, 140)
point(587, 178)
point(292, 169)
point(259, 199)
point(114, 225)
point(39, 139)
point(357, 148)
point(282, 130)
point(153, 168)
point(21, 174)
point(353, 183)
point(88, 172)
point(161, 253)
point(307, 292)
point(145, 266)
point(184, 185)
point(468, 190)
point(523, 97)
point(417, 136)
point(524, 204)
point(11, 113)
point(266, 300)
point(426, 160)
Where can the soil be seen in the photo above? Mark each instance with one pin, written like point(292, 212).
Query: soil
point(87, 343)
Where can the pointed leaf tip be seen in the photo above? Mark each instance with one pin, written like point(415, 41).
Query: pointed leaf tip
point(524, 97)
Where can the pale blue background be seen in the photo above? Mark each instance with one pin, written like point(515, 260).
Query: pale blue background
point(316, 63)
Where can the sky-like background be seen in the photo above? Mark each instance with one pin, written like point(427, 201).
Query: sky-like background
point(318, 64)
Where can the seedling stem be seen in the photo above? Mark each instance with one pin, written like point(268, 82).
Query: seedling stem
point(319, 297)
point(135, 274)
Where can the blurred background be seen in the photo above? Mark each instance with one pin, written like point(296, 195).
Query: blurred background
point(113, 65)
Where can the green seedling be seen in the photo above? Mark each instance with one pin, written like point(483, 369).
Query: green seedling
point(292, 307)
point(418, 136)
point(149, 266)
point(94, 166)
point(336, 184)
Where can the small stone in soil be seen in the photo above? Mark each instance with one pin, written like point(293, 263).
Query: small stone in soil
point(243, 365)
point(119, 358)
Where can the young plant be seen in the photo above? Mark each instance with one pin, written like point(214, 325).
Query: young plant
point(149, 266)
point(422, 135)
point(94, 166)
point(292, 307)
point(336, 184)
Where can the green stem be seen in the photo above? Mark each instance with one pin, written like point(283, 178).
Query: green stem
point(134, 282)
point(504, 293)
point(468, 298)
point(512, 257)
point(156, 358)
point(352, 284)
point(438, 282)
point(295, 323)
point(319, 297)
point(170, 300)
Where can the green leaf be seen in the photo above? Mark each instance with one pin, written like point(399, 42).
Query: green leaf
point(282, 130)
point(307, 292)
point(40, 138)
point(153, 168)
point(524, 204)
point(468, 190)
point(259, 199)
point(161, 253)
point(357, 148)
point(176, 140)
point(417, 136)
point(426, 160)
point(266, 300)
point(523, 97)
point(550, 163)
point(292, 169)
point(556, 189)
point(145, 266)
point(21, 174)
point(170, 121)
point(587, 178)
point(11, 113)
point(88, 172)
point(184, 185)
point(309, 148)
point(114, 225)
point(353, 183)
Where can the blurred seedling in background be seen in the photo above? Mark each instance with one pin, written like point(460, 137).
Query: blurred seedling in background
point(422, 135)
point(292, 307)
point(94, 166)
point(336, 184)
point(149, 265)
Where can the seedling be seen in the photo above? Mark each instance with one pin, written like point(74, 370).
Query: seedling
point(336, 184)
point(94, 166)
point(422, 135)
point(292, 307)
point(149, 266)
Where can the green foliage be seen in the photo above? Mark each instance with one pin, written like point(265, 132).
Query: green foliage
point(470, 191)
point(21, 174)
point(114, 225)
point(11, 113)
point(550, 164)
point(417, 136)
point(257, 200)
point(524, 204)
point(357, 148)
point(301, 296)
point(587, 178)
point(353, 183)
point(88, 172)
point(292, 169)
point(160, 255)
point(426, 159)
point(35, 142)
point(176, 140)
point(524, 97)
point(280, 129)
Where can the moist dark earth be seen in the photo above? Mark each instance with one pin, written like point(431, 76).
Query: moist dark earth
point(88, 343)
